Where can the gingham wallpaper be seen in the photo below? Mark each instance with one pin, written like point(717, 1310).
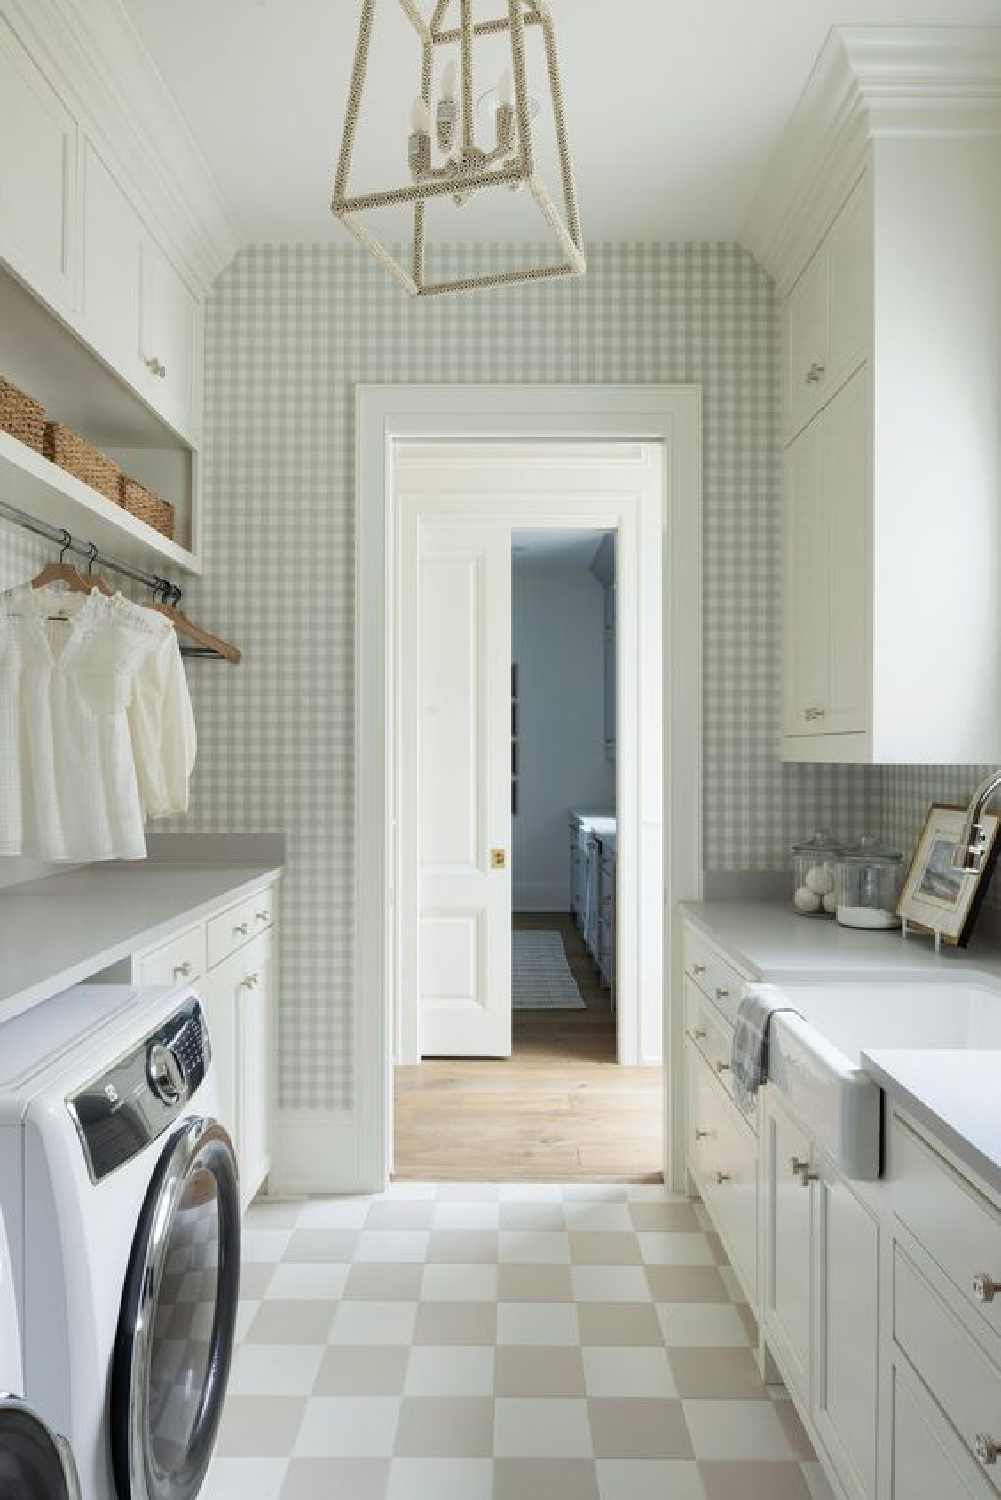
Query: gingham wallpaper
point(291, 331)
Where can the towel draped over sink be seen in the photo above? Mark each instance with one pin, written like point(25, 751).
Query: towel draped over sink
point(749, 1056)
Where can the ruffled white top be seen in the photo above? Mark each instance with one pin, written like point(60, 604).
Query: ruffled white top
point(95, 725)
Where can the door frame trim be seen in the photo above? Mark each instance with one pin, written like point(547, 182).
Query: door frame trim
point(666, 414)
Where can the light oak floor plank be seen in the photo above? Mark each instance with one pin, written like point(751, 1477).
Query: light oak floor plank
point(560, 1108)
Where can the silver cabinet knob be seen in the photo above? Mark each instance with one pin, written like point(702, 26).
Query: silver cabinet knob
point(987, 1449)
point(182, 971)
point(722, 1067)
point(815, 374)
point(722, 994)
point(264, 916)
point(811, 714)
point(985, 1288)
point(241, 929)
point(698, 968)
point(250, 981)
point(801, 1169)
point(722, 1177)
point(699, 1034)
point(702, 1135)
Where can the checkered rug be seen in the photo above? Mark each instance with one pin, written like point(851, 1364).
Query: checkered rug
point(540, 975)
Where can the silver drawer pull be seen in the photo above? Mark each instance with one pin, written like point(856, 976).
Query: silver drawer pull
point(722, 1067)
point(815, 374)
point(250, 982)
point(182, 971)
point(986, 1449)
point(241, 929)
point(698, 968)
point(702, 1135)
point(722, 994)
point(810, 714)
point(722, 1177)
point(801, 1169)
point(264, 916)
point(985, 1288)
point(699, 1034)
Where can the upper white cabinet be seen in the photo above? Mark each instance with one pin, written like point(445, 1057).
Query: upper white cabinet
point(881, 222)
point(37, 175)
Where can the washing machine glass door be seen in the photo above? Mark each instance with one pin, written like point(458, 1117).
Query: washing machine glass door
point(175, 1333)
point(35, 1464)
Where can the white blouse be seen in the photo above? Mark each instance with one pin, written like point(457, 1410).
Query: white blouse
point(92, 712)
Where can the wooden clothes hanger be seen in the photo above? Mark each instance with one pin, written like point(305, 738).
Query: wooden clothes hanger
point(64, 572)
point(205, 643)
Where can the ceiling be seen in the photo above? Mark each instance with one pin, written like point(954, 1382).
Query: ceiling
point(674, 109)
point(555, 549)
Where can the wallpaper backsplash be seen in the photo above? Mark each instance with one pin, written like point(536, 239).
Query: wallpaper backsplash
point(291, 331)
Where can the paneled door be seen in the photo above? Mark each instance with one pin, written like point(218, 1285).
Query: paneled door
point(463, 695)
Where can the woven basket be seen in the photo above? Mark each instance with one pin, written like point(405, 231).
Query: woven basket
point(145, 506)
point(74, 454)
point(21, 415)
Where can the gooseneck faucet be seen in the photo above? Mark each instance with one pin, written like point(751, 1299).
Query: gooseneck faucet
point(972, 845)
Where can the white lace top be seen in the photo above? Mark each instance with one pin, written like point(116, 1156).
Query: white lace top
point(84, 706)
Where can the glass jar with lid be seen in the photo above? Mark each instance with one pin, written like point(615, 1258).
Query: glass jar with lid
point(869, 881)
point(815, 872)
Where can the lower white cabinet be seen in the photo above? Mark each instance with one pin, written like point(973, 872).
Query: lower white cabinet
point(722, 1160)
point(786, 1282)
point(922, 1461)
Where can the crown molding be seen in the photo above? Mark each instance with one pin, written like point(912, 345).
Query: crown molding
point(91, 49)
point(869, 83)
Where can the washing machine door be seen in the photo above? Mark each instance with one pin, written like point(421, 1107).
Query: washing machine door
point(175, 1332)
point(35, 1464)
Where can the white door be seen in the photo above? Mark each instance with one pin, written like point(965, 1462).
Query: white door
point(464, 776)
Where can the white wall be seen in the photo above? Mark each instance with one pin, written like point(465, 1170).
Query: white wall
point(556, 628)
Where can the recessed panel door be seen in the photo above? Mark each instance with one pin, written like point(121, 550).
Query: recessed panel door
point(463, 698)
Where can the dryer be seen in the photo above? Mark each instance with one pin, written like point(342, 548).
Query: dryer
point(122, 1202)
point(35, 1464)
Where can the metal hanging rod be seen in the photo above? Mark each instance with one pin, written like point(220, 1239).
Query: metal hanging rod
point(68, 543)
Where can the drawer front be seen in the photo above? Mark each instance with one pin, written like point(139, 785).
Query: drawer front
point(960, 1229)
point(710, 1034)
point(713, 975)
point(965, 1383)
point(181, 957)
point(925, 1467)
point(723, 1160)
point(231, 929)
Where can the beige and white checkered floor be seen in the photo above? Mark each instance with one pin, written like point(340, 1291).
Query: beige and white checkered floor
point(512, 1342)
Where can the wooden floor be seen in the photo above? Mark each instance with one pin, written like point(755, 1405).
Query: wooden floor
point(560, 1109)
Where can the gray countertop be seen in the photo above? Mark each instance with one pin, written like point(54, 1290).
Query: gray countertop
point(955, 1095)
point(62, 930)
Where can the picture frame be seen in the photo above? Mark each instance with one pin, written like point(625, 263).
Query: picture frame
point(936, 898)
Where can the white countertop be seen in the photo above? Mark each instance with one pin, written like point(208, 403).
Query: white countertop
point(62, 930)
point(955, 1095)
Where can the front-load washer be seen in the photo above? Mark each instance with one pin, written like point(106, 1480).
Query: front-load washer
point(35, 1464)
point(122, 1202)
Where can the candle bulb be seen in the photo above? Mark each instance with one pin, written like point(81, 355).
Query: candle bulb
point(505, 88)
point(420, 117)
point(450, 81)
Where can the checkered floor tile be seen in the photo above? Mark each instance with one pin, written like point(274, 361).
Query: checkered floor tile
point(511, 1342)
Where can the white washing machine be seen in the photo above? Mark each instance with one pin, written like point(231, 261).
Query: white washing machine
point(35, 1464)
point(121, 1198)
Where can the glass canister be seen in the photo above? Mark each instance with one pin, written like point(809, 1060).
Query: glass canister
point(815, 871)
point(869, 881)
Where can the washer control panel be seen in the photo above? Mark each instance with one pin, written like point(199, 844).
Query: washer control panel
point(118, 1113)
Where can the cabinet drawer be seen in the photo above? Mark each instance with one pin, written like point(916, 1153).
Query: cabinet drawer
point(714, 977)
point(723, 1161)
point(709, 1032)
point(965, 1383)
point(925, 1465)
point(236, 926)
point(181, 957)
point(960, 1229)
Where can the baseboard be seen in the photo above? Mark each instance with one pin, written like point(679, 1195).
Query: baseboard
point(543, 895)
point(315, 1152)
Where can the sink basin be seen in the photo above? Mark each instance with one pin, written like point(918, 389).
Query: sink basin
point(815, 1057)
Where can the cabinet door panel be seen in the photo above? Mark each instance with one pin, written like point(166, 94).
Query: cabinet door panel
point(113, 235)
point(846, 508)
point(787, 1250)
point(805, 339)
point(219, 991)
point(850, 282)
point(806, 623)
point(254, 1043)
point(848, 1283)
point(37, 175)
point(168, 339)
point(925, 1467)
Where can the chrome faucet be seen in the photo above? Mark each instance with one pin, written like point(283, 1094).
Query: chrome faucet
point(969, 853)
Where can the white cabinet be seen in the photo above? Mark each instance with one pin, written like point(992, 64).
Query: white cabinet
point(786, 1290)
point(138, 311)
point(923, 1463)
point(38, 172)
point(826, 628)
point(238, 1000)
point(826, 317)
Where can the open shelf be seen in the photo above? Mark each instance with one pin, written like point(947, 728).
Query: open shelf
point(31, 482)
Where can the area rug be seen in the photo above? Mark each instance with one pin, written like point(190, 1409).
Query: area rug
point(540, 975)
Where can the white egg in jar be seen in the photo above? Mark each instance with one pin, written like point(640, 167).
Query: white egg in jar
point(806, 900)
point(820, 879)
point(831, 902)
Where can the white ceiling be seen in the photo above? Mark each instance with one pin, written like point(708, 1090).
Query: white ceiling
point(674, 109)
point(555, 549)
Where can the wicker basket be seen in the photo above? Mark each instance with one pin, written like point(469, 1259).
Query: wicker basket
point(21, 415)
point(145, 506)
point(74, 454)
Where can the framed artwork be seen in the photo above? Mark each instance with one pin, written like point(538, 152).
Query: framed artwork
point(937, 898)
